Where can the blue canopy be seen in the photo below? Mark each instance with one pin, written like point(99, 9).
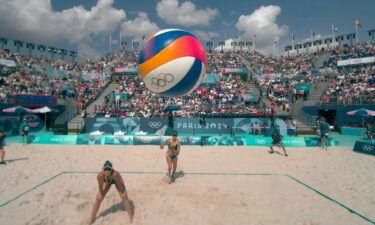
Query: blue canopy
point(172, 108)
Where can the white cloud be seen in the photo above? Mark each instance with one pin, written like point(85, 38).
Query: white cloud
point(35, 20)
point(206, 36)
point(227, 46)
point(316, 37)
point(140, 26)
point(184, 14)
point(262, 23)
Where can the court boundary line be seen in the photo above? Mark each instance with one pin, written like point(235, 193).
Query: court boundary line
point(197, 173)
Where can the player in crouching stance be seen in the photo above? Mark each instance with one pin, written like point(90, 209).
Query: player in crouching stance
point(106, 178)
point(277, 140)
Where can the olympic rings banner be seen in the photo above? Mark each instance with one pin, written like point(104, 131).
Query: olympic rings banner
point(367, 147)
point(224, 140)
point(186, 126)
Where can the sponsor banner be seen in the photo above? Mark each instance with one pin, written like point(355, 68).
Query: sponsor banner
point(233, 70)
point(185, 140)
point(266, 141)
point(153, 125)
point(132, 70)
point(294, 141)
point(246, 125)
point(84, 139)
point(7, 62)
point(147, 140)
point(53, 139)
point(187, 126)
point(258, 141)
point(367, 147)
point(196, 126)
point(224, 140)
point(111, 126)
point(356, 61)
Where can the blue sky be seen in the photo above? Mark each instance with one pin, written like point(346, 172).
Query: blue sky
point(213, 18)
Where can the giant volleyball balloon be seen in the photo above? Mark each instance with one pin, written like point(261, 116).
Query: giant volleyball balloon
point(172, 63)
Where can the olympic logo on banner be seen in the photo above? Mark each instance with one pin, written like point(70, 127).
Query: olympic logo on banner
point(161, 80)
point(146, 140)
point(367, 148)
point(260, 141)
point(154, 124)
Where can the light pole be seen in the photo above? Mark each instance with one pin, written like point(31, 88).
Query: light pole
point(3, 42)
point(18, 44)
point(41, 49)
point(73, 54)
point(249, 44)
point(371, 33)
point(31, 47)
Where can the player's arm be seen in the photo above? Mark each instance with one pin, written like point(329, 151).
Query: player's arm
point(178, 148)
point(100, 183)
point(166, 142)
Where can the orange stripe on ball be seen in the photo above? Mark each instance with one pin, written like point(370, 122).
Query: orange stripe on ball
point(184, 46)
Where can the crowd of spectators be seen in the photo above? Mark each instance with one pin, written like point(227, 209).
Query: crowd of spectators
point(350, 52)
point(131, 98)
point(279, 79)
point(63, 79)
point(217, 60)
point(352, 86)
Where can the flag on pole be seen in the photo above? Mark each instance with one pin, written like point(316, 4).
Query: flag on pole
point(293, 47)
point(334, 28)
point(358, 24)
point(110, 42)
point(255, 36)
point(120, 41)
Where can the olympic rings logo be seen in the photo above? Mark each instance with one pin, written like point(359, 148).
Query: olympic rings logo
point(154, 124)
point(161, 80)
point(260, 141)
point(367, 148)
point(146, 140)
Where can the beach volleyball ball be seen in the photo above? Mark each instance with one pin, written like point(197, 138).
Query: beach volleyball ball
point(172, 63)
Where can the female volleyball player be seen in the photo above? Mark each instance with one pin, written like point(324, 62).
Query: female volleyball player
point(106, 178)
point(172, 154)
point(277, 139)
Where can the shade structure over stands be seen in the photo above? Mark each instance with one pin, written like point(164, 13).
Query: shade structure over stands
point(18, 109)
point(362, 112)
point(172, 108)
point(44, 109)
